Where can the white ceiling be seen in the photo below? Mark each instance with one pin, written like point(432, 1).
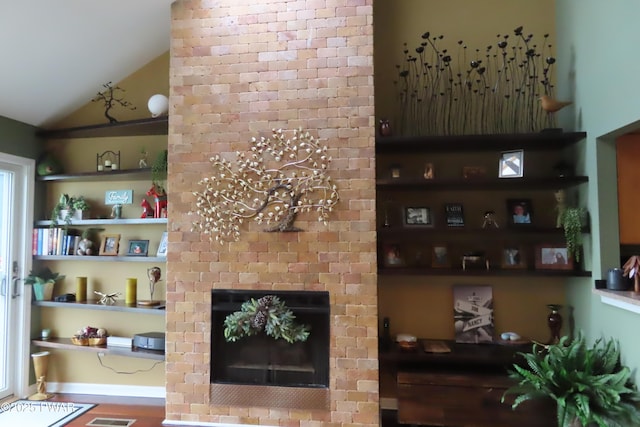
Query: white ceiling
point(57, 54)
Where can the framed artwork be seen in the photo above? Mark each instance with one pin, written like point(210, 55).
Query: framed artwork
point(519, 211)
point(513, 256)
point(392, 256)
point(417, 216)
point(511, 164)
point(440, 256)
point(162, 247)
point(553, 257)
point(473, 313)
point(454, 214)
point(110, 244)
point(138, 248)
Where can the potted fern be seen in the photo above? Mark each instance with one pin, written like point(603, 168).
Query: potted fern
point(588, 384)
point(571, 220)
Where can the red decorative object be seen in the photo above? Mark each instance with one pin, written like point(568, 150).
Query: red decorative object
point(147, 210)
point(160, 197)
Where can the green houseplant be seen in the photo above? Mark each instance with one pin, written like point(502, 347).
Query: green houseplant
point(43, 281)
point(571, 221)
point(66, 209)
point(588, 384)
point(159, 169)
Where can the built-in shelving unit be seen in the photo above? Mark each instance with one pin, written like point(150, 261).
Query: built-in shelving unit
point(141, 127)
point(103, 258)
point(120, 174)
point(66, 344)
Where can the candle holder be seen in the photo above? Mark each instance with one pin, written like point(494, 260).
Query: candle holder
point(107, 161)
point(554, 321)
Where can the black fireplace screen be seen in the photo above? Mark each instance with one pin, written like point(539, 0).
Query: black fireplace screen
point(263, 360)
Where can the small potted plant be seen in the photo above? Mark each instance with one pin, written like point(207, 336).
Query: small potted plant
point(43, 281)
point(589, 385)
point(571, 220)
point(68, 208)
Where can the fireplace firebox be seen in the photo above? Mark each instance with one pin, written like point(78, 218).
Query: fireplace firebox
point(262, 360)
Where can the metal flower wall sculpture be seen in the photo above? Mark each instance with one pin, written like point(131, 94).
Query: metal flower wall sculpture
point(278, 179)
point(495, 91)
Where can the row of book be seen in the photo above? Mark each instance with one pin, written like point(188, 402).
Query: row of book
point(55, 241)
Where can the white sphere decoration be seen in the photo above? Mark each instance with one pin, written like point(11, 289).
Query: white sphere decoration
point(158, 105)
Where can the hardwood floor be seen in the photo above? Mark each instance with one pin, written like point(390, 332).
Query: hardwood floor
point(147, 412)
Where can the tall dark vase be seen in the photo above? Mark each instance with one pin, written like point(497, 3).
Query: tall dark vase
point(554, 321)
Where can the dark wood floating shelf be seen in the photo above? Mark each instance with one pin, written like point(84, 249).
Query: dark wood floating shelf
point(475, 272)
point(117, 306)
point(121, 174)
point(103, 258)
point(543, 183)
point(66, 344)
point(147, 126)
point(408, 233)
point(545, 140)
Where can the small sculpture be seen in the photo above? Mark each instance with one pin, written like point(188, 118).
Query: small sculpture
point(107, 299)
point(428, 171)
point(561, 206)
point(154, 274)
point(147, 210)
point(385, 127)
point(160, 197)
point(109, 99)
point(490, 220)
point(116, 211)
point(142, 163)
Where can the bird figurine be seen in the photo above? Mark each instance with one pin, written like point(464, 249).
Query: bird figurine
point(551, 105)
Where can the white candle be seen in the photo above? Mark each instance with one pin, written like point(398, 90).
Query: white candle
point(100, 168)
point(107, 163)
point(114, 166)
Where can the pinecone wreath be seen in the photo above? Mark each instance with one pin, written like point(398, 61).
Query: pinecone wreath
point(267, 314)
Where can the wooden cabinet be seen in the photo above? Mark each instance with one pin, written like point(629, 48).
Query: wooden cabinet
point(463, 388)
point(627, 155)
point(427, 176)
point(111, 270)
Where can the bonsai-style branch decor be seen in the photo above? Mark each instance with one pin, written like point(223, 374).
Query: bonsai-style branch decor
point(108, 97)
point(268, 314)
point(588, 384)
point(278, 179)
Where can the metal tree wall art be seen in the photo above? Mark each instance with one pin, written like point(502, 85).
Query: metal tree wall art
point(279, 178)
point(495, 90)
point(108, 97)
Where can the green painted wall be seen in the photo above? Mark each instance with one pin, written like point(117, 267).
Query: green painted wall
point(18, 138)
point(598, 70)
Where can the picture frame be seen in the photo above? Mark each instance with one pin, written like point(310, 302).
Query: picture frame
point(454, 214)
point(417, 216)
point(513, 257)
point(440, 257)
point(520, 212)
point(162, 247)
point(110, 245)
point(392, 256)
point(511, 164)
point(553, 256)
point(138, 248)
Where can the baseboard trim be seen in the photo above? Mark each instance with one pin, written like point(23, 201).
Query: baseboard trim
point(107, 389)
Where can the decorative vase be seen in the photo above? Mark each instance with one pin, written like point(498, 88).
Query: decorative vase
point(554, 321)
point(43, 291)
point(384, 128)
point(158, 105)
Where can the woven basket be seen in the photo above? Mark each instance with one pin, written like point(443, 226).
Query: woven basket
point(98, 341)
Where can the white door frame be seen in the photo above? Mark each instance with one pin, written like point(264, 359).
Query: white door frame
point(23, 220)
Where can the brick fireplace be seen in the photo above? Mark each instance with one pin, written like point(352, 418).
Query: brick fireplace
point(238, 69)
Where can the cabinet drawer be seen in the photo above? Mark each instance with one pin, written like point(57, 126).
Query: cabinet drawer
point(469, 400)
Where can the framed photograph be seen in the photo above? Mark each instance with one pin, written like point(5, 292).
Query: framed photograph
point(511, 164)
point(513, 256)
point(419, 216)
point(454, 214)
point(138, 248)
point(553, 257)
point(162, 247)
point(392, 256)
point(473, 314)
point(440, 256)
point(519, 211)
point(110, 244)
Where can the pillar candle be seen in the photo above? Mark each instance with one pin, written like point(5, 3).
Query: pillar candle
point(131, 291)
point(81, 289)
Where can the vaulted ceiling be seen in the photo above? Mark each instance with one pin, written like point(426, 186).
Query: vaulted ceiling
point(57, 54)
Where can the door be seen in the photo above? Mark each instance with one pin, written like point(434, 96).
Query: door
point(16, 218)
